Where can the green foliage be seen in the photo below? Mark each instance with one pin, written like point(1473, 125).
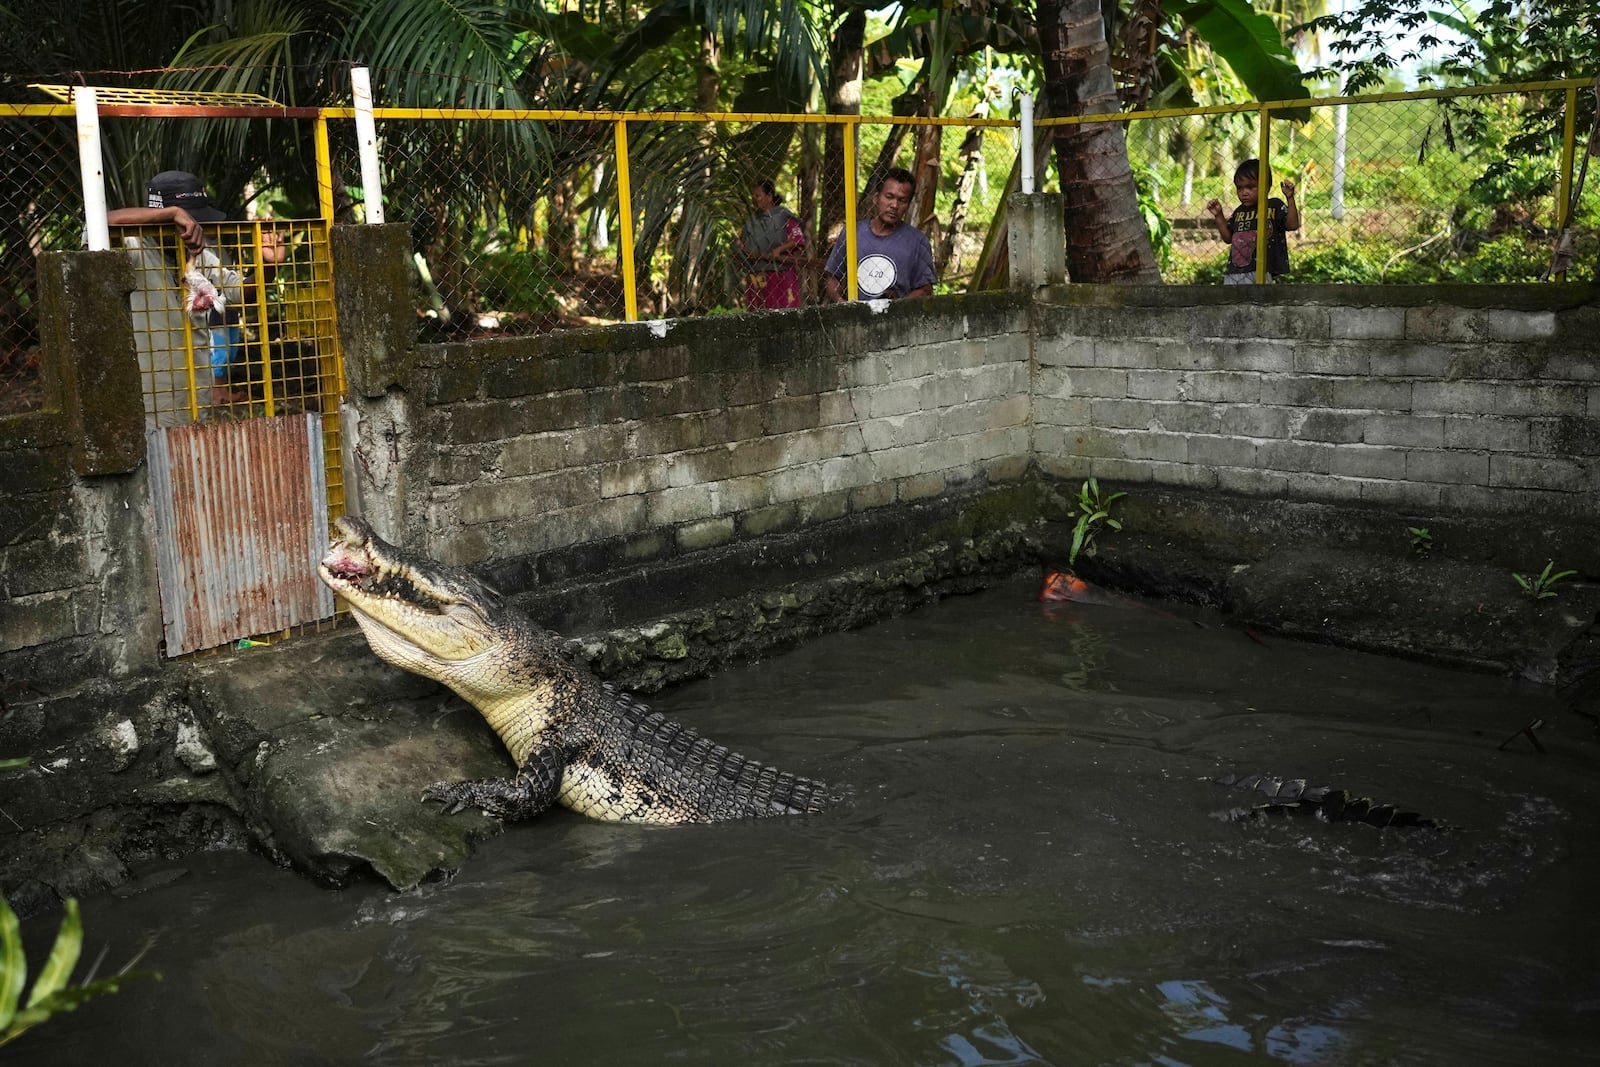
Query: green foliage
point(1498, 41)
point(1345, 263)
point(1514, 257)
point(1147, 181)
point(1502, 40)
point(1094, 511)
point(1188, 270)
point(1421, 540)
point(1543, 585)
point(516, 281)
point(1249, 41)
point(52, 992)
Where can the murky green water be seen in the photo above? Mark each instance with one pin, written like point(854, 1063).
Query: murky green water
point(1029, 873)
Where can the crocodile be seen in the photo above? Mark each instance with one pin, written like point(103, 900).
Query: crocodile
point(1271, 795)
point(576, 741)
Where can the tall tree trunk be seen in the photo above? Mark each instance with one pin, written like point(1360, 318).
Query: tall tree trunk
point(844, 98)
point(907, 103)
point(599, 222)
point(686, 273)
point(971, 155)
point(806, 177)
point(709, 81)
point(1106, 236)
point(927, 168)
point(561, 229)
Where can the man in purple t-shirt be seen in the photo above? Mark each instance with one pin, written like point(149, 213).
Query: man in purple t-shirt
point(893, 260)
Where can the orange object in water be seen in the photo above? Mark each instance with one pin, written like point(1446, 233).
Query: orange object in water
point(1059, 585)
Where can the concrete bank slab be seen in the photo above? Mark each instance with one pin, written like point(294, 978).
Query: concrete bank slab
point(1346, 576)
point(328, 749)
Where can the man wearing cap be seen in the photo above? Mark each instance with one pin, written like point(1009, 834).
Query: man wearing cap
point(177, 198)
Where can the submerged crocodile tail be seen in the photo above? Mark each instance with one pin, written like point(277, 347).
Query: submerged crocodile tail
point(1268, 794)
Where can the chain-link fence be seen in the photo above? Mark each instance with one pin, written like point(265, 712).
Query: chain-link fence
point(1410, 188)
point(41, 208)
point(518, 223)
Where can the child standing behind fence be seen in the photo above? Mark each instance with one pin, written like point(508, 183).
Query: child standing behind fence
point(1239, 230)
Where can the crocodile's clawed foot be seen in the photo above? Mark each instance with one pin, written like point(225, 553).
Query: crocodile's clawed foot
point(455, 796)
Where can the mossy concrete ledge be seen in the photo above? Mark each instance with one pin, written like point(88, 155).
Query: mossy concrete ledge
point(1353, 576)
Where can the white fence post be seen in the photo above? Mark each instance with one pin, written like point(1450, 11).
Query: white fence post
point(95, 230)
point(1026, 148)
point(367, 134)
point(1341, 122)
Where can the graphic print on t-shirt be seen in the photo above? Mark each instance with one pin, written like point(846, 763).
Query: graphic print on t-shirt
point(875, 275)
point(1244, 239)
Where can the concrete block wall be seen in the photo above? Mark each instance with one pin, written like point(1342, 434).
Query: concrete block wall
point(77, 579)
point(1430, 399)
point(685, 435)
point(49, 594)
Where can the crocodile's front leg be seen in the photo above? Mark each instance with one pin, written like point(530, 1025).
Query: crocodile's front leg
point(530, 791)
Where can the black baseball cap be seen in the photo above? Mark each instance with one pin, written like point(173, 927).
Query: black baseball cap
point(179, 188)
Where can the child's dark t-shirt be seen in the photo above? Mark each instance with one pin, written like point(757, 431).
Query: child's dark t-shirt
point(1242, 253)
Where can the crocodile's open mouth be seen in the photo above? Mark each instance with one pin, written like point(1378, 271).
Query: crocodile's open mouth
point(354, 569)
point(350, 560)
point(346, 565)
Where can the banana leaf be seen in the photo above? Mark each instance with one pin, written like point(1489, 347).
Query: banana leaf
point(1250, 43)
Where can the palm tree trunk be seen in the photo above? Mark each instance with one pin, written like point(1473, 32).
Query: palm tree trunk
point(686, 273)
point(971, 153)
point(806, 178)
point(927, 169)
point(844, 98)
point(1107, 240)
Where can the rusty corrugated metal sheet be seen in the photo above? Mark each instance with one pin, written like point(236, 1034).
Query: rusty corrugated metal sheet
point(241, 520)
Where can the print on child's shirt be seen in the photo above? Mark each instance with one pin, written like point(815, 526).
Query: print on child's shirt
point(1244, 238)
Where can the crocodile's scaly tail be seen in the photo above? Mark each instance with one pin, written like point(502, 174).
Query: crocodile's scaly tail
point(1269, 795)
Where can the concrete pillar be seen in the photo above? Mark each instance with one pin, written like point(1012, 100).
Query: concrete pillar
point(377, 318)
point(88, 357)
point(377, 336)
point(90, 368)
point(1036, 239)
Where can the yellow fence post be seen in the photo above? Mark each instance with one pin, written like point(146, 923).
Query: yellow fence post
point(630, 295)
point(324, 170)
point(192, 372)
point(1264, 154)
point(269, 390)
point(850, 289)
point(1569, 140)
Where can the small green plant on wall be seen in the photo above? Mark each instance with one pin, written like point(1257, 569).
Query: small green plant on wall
point(1094, 511)
point(52, 992)
point(1544, 584)
point(1421, 540)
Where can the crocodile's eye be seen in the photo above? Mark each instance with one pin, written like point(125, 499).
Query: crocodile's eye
point(463, 612)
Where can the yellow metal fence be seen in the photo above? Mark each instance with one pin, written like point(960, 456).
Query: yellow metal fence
point(542, 220)
point(537, 219)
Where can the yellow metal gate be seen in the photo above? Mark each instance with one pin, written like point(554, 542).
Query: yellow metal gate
point(242, 422)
